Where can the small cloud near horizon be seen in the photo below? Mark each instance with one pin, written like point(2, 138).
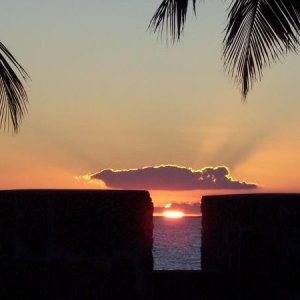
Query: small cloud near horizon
point(186, 208)
point(170, 177)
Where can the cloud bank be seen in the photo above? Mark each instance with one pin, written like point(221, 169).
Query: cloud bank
point(171, 177)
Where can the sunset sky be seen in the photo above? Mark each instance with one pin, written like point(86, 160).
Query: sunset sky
point(107, 94)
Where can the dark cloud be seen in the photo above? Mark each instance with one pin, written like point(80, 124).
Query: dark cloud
point(169, 177)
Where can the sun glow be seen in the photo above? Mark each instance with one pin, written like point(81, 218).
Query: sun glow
point(173, 214)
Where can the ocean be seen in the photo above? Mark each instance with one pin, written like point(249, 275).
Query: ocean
point(177, 243)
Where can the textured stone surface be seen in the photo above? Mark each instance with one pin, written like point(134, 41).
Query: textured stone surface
point(75, 244)
point(257, 238)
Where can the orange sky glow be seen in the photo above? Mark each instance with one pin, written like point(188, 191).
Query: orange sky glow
point(120, 99)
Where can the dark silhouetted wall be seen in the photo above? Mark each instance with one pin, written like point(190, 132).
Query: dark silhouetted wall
point(75, 244)
point(256, 239)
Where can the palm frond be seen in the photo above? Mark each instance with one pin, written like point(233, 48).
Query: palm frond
point(13, 97)
point(171, 16)
point(259, 32)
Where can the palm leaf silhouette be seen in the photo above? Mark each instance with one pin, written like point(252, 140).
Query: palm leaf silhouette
point(171, 15)
point(13, 97)
point(258, 33)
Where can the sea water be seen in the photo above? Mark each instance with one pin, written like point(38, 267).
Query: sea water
point(177, 243)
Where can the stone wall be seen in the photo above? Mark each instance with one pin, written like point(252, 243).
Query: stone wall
point(256, 239)
point(75, 244)
point(191, 285)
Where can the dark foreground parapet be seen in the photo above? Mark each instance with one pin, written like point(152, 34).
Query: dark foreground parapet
point(75, 244)
point(192, 285)
point(256, 237)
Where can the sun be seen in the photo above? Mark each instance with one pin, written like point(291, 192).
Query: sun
point(173, 214)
